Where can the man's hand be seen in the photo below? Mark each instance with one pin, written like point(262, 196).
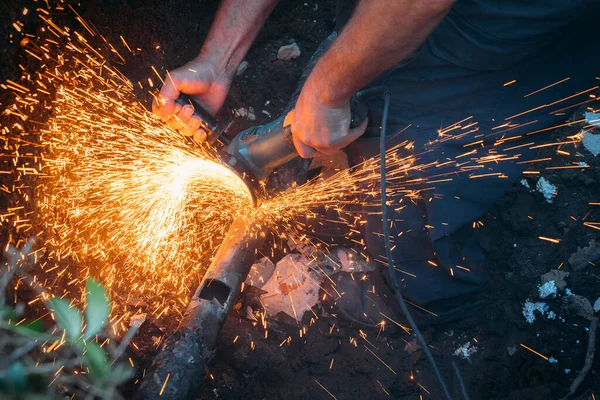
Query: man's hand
point(201, 80)
point(321, 128)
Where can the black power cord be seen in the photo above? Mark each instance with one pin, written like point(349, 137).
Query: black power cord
point(386, 235)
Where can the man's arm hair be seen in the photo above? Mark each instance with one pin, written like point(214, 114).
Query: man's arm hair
point(380, 34)
point(233, 31)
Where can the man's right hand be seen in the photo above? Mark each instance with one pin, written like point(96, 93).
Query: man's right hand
point(199, 79)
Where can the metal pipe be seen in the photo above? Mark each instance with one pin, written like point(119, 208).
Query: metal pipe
point(184, 355)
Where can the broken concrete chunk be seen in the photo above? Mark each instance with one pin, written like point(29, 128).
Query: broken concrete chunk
point(288, 52)
point(465, 351)
point(529, 309)
point(547, 289)
point(293, 288)
point(581, 258)
point(137, 320)
point(260, 272)
point(352, 261)
point(591, 142)
point(547, 189)
point(592, 118)
point(242, 68)
point(559, 277)
point(577, 305)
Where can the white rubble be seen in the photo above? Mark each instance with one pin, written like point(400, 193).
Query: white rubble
point(530, 307)
point(591, 142)
point(137, 320)
point(465, 351)
point(547, 189)
point(525, 183)
point(547, 289)
point(288, 52)
point(260, 272)
point(242, 68)
point(552, 360)
point(293, 288)
point(597, 305)
point(592, 118)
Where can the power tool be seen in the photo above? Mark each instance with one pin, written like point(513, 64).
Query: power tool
point(255, 152)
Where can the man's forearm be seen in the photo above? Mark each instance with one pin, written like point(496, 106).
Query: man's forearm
point(235, 27)
point(379, 35)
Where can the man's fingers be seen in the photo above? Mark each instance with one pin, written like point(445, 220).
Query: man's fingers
point(193, 125)
point(357, 132)
point(304, 150)
point(200, 135)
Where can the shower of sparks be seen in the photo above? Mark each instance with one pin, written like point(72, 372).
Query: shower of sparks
point(111, 191)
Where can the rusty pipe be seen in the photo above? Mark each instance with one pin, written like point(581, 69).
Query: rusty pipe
point(184, 355)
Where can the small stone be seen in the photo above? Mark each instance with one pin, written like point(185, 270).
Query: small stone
point(242, 68)
point(525, 183)
point(547, 189)
point(465, 351)
point(559, 277)
point(552, 360)
point(546, 290)
point(530, 307)
point(288, 52)
point(591, 142)
point(268, 114)
point(567, 370)
point(597, 305)
point(137, 320)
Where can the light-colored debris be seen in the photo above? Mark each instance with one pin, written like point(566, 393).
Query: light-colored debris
point(293, 288)
point(591, 142)
point(529, 309)
point(511, 350)
point(268, 114)
point(352, 261)
point(288, 52)
point(567, 371)
point(547, 189)
point(525, 183)
point(559, 277)
point(137, 320)
point(597, 305)
point(547, 289)
point(581, 258)
point(578, 306)
point(465, 351)
point(552, 360)
point(260, 272)
point(242, 68)
point(592, 118)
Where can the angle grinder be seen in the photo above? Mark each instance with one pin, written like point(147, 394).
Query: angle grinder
point(254, 153)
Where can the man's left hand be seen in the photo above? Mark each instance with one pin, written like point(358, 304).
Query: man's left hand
point(319, 127)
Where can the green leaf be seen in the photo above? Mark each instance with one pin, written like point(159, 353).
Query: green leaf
point(97, 309)
point(7, 313)
point(13, 380)
point(95, 360)
point(66, 317)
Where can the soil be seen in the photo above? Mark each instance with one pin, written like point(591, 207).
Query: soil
point(329, 358)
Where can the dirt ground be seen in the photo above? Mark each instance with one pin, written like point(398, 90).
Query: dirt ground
point(330, 359)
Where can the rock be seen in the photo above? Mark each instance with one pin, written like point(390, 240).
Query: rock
point(597, 305)
point(530, 307)
point(547, 189)
point(546, 290)
point(525, 183)
point(559, 277)
point(137, 320)
point(294, 287)
point(260, 272)
point(591, 142)
point(577, 305)
point(352, 261)
point(580, 259)
point(592, 118)
point(242, 68)
point(465, 351)
point(288, 52)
